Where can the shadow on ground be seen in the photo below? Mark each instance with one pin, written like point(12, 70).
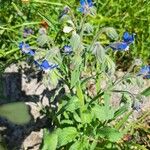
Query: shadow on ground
point(11, 91)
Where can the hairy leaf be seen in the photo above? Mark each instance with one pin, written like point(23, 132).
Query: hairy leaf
point(50, 140)
point(111, 134)
point(66, 135)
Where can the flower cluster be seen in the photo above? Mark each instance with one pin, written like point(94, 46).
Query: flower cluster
point(45, 65)
point(127, 39)
point(26, 49)
point(67, 49)
point(85, 7)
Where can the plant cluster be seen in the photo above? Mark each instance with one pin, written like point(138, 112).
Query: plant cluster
point(78, 60)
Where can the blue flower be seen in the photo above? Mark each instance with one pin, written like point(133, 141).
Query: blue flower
point(36, 63)
point(27, 32)
point(45, 65)
point(128, 38)
point(120, 46)
point(147, 76)
point(67, 49)
point(145, 72)
point(85, 6)
point(124, 45)
point(25, 48)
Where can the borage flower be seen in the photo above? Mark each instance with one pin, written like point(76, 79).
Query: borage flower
point(27, 32)
point(67, 49)
point(120, 46)
point(128, 38)
point(45, 65)
point(25, 48)
point(145, 72)
point(123, 45)
point(86, 5)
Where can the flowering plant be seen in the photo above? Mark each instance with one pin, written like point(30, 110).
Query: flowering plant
point(78, 61)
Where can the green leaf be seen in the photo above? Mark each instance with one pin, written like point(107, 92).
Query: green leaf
point(120, 111)
point(80, 94)
point(111, 134)
point(46, 2)
point(66, 135)
point(76, 117)
point(93, 145)
point(70, 105)
point(70, 122)
point(51, 78)
point(86, 117)
point(17, 9)
point(107, 96)
point(75, 74)
point(75, 42)
point(78, 145)
point(17, 112)
point(146, 92)
point(123, 120)
point(1, 32)
point(102, 113)
point(73, 104)
point(110, 64)
point(50, 140)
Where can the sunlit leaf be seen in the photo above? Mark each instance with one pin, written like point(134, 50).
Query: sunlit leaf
point(66, 135)
point(111, 134)
point(102, 113)
point(50, 140)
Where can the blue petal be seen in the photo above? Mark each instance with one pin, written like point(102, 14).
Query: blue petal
point(147, 76)
point(127, 37)
point(144, 70)
point(81, 9)
point(36, 63)
point(25, 48)
point(84, 5)
point(67, 49)
point(31, 53)
point(21, 45)
point(45, 64)
point(90, 3)
point(82, 2)
point(121, 46)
